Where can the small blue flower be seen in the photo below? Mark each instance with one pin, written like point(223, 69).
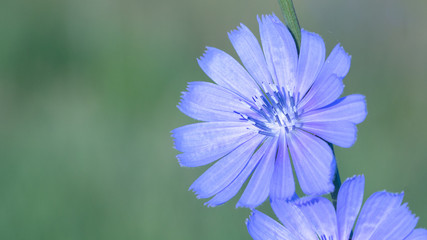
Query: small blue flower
point(252, 117)
point(312, 218)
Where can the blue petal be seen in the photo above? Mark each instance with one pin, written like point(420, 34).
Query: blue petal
point(313, 161)
point(203, 143)
point(200, 158)
point(323, 92)
point(311, 58)
point(340, 133)
point(209, 102)
point(259, 186)
point(338, 63)
point(282, 183)
point(262, 227)
point(210, 135)
point(397, 225)
point(350, 108)
point(350, 197)
point(321, 213)
point(250, 52)
point(279, 50)
point(376, 209)
point(223, 172)
point(227, 72)
point(232, 189)
point(417, 234)
point(294, 219)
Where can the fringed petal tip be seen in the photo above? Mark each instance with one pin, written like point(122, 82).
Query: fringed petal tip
point(181, 162)
point(252, 215)
point(360, 177)
point(268, 17)
point(241, 27)
point(210, 205)
point(197, 191)
point(391, 194)
point(343, 61)
point(406, 208)
point(290, 199)
point(206, 52)
point(361, 107)
point(274, 18)
point(306, 201)
point(198, 194)
point(341, 48)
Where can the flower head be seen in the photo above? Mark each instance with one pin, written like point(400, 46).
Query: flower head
point(312, 218)
point(253, 116)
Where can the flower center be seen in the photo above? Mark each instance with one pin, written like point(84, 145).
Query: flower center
point(275, 110)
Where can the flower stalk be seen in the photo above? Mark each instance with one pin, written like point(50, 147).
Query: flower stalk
point(291, 20)
point(336, 181)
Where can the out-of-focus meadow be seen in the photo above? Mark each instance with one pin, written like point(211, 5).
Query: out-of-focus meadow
point(88, 94)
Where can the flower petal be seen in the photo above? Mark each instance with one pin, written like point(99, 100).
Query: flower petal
point(203, 143)
point(259, 186)
point(337, 63)
point(262, 227)
point(398, 224)
point(250, 52)
point(282, 183)
point(200, 158)
point(210, 135)
point(321, 213)
point(209, 102)
point(310, 62)
point(227, 72)
point(223, 172)
point(323, 92)
point(340, 133)
point(350, 108)
point(279, 50)
point(234, 187)
point(376, 209)
point(294, 219)
point(350, 197)
point(313, 161)
point(417, 234)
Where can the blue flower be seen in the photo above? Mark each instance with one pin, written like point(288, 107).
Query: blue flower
point(282, 101)
point(312, 218)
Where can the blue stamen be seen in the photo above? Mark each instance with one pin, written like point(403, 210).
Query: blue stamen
point(277, 108)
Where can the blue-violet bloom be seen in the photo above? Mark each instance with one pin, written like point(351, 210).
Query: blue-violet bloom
point(383, 217)
point(282, 101)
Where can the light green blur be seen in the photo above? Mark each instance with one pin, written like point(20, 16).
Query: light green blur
point(88, 95)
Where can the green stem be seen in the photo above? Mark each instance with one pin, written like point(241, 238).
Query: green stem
point(337, 181)
point(291, 20)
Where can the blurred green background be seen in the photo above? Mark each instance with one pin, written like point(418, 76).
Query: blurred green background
point(88, 94)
